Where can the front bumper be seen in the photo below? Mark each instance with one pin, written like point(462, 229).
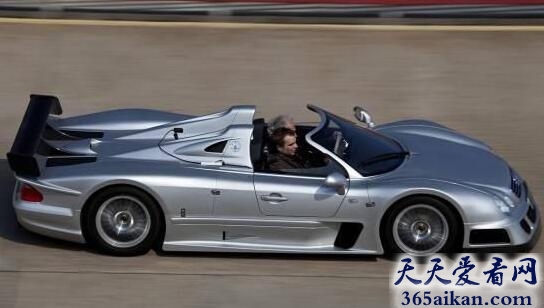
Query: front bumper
point(519, 232)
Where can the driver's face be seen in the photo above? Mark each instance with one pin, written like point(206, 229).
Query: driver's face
point(289, 146)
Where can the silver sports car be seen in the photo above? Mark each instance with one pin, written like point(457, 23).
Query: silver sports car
point(124, 180)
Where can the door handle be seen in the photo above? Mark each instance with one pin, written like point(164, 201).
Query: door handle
point(274, 197)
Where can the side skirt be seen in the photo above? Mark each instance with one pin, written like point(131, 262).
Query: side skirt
point(264, 235)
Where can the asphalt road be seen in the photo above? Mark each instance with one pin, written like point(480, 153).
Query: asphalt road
point(487, 84)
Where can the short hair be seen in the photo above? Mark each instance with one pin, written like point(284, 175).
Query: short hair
point(279, 122)
point(279, 134)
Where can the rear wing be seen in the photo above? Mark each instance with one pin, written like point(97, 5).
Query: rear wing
point(21, 156)
point(36, 137)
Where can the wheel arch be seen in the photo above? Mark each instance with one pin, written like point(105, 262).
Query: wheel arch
point(85, 208)
point(451, 206)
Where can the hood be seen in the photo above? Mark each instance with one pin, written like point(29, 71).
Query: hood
point(437, 152)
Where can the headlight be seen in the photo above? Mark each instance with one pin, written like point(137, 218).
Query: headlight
point(502, 205)
point(508, 201)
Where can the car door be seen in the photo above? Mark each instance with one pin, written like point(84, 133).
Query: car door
point(234, 194)
point(297, 195)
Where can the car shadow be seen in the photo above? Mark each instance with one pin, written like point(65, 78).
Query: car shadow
point(270, 256)
point(9, 228)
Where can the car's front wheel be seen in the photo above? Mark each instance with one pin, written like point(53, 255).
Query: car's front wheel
point(122, 221)
point(422, 226)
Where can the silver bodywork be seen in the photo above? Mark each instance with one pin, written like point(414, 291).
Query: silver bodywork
point(217, 202)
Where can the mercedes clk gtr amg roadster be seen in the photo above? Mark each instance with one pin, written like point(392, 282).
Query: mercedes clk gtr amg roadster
point(126, 180)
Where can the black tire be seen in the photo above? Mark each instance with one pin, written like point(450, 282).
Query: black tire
point(122, 221)
point(421, 226)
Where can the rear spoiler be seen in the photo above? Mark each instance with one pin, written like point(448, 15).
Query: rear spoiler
point(21, 156)
point(33, 136)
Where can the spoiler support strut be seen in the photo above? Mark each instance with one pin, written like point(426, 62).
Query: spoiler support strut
point(21, 156)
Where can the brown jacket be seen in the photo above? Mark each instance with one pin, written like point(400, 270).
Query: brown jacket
point(280, 161)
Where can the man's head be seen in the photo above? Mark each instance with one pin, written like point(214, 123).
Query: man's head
point(282, 121)
point(285, 140)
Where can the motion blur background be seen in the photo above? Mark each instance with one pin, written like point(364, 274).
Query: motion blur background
point(487, 82)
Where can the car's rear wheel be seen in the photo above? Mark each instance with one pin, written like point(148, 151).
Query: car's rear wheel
point(122, 221)
point(422, 226)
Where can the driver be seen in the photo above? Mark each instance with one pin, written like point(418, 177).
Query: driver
point(285, 156)
point(303, 153)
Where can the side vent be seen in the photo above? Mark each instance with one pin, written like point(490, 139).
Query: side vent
point(83, 134)
point(348, 234)
point(218, 147)
point(56, 161)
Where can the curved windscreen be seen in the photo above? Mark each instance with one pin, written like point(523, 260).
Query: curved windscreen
point(367, 151)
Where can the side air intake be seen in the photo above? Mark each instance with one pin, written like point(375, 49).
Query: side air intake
point(348, 234)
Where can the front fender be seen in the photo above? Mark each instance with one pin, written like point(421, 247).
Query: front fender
point(473, 205)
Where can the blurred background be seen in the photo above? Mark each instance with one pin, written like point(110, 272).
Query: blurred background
point(475, 67)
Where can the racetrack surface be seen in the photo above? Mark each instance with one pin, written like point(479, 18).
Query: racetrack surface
point(488, 84)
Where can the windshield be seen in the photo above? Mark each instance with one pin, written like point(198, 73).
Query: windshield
point(367, 151)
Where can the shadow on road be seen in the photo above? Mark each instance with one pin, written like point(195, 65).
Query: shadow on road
point(10, 229)
point(271, 256)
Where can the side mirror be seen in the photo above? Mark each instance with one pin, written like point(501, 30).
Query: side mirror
point(363, 116)
point(338, 181)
